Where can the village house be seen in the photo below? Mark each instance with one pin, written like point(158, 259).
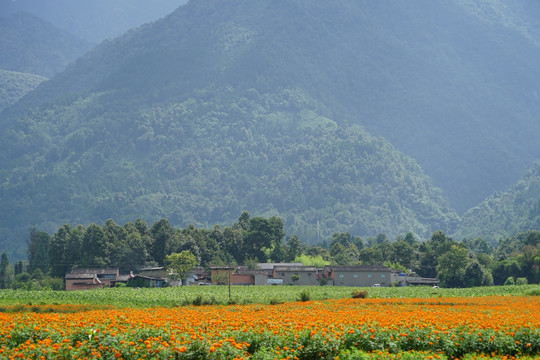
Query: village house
point(197, 276)
point(373, 275)
point(222, 275)
point(296, 275)
point(160, 275)
point(403, 279)
point(140, 281)
point(243, 275)
point(89, 278)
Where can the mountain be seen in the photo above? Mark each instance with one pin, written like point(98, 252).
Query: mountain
point(31, 45)
point(206, 159)
point(94, 20)
point(14, 85)
point(438, 80)
point(220, 107)
point(506, 213)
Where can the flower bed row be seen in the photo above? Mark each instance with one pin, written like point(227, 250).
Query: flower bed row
point(347, 329)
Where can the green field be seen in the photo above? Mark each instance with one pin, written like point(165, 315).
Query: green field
point(178, 296)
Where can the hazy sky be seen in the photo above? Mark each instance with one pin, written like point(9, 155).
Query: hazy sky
point(94, 20)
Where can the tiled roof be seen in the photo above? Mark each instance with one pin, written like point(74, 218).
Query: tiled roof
point(79, 276)
point(295, 268)
point(100, 271)
point(359, 268)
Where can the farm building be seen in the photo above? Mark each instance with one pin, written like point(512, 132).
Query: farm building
point(403, 279)
point(222, 275)
point(88, 278)
point(296, 275)
point(359, 275)
point(147, 281)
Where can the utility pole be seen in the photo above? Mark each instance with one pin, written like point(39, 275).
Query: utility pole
point(230, 275)
point(318, 232)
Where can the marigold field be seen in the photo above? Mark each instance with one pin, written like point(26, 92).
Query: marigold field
point(499, 327)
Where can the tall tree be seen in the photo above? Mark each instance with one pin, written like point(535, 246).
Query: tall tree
point(295, 248)
point(73, 254)
point(135, 254)
point(57, 251)
point(38, 251)
point(259, 236)
point(115, 237)
point(181, 263)
point(452, 266)
point(6, 272)
point(474, 274)
point(233, 239)
point(94, 249)
point(160, 232)
point(403, 254)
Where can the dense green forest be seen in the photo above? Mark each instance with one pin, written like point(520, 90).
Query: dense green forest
point(506, 212)
point(201, 162)
point(14, 85)
point(31, 45)
point(362, 117)
point(472, 262)
point(403, 71)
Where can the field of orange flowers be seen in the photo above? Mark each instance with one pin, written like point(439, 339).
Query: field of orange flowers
point(443, 328)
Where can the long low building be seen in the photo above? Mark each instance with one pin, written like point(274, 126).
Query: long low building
point(361, 275)
point(297, 274)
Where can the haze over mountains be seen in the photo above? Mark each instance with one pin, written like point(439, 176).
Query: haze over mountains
point(365, 116)
point(31, 45)
point(93, 21)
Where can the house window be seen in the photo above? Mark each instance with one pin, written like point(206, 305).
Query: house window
point(108, 276)
point(383, 275)
point(368, 275)
point(355, 275)
point(341, 275)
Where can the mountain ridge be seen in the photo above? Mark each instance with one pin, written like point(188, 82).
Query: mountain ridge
point(373, 65)
point(404, 73)
point(29, 44)
point(505, 213)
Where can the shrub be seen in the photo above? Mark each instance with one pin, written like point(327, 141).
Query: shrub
point(521, 281)
point(275, 301)
point(360, 294)
point(509, 281)
point(304, 296)
point(533, 292)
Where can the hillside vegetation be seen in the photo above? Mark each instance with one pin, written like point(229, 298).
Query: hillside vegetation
point(31, 45)
point(206, 159)
point(310, 110)
point(506, 213)
point(14, 85)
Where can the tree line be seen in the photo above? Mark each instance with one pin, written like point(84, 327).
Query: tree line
point(466, 263)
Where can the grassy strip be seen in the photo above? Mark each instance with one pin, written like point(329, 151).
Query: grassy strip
point(203, 295)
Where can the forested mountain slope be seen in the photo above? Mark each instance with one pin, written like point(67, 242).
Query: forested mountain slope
point(14, 85)
point(31, 45)
point(506, 213)
point(436, 78)
point(136, 126)
point(205, 159)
